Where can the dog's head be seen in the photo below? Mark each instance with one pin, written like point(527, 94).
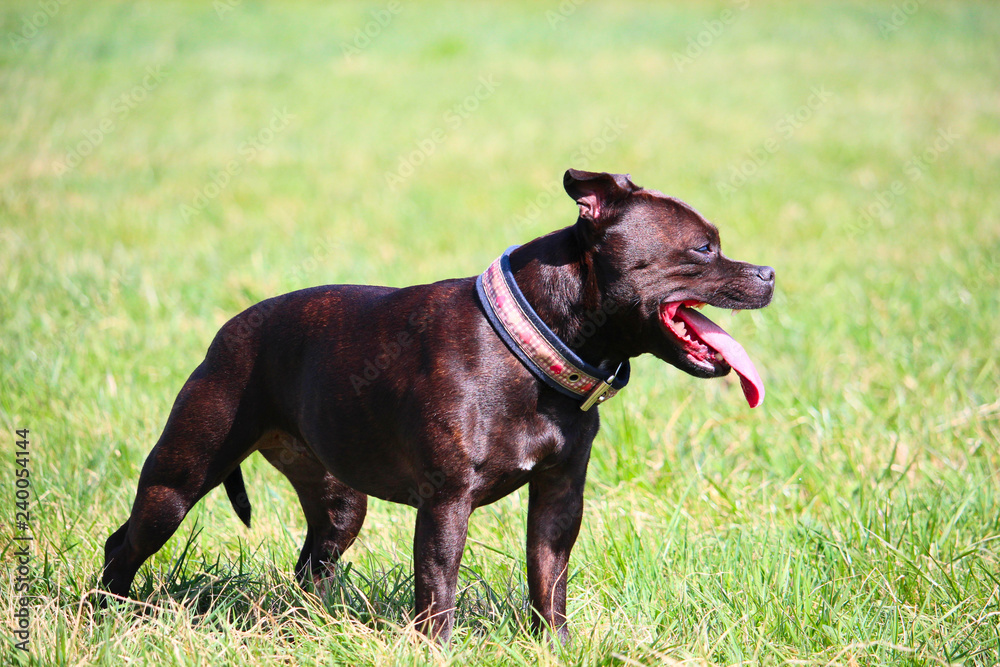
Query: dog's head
point(661, 258)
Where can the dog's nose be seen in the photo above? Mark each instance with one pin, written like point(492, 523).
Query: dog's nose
point(765, 273)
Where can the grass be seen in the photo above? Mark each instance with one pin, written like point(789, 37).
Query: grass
point(223, 153)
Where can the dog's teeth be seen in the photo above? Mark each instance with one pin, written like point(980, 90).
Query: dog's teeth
point(681, 329)
point(718, 356)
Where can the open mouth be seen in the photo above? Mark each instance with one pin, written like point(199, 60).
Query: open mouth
point(709, 347)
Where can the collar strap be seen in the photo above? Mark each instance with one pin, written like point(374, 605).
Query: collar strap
point(536, 345)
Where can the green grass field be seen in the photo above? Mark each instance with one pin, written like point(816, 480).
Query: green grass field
point(164, 165)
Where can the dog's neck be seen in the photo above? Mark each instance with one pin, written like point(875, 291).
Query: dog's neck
point(557, 277)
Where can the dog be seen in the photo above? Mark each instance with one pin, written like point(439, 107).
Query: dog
point(447, 397)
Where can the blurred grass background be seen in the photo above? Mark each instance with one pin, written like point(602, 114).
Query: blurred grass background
point(164, 165)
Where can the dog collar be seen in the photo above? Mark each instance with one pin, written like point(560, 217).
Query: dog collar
point(536, 345)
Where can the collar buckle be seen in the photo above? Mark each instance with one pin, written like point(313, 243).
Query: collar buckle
point(600, 392)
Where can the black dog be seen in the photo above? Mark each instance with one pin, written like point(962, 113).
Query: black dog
point(447, 397)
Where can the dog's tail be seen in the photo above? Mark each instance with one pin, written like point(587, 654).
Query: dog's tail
point(237, 493)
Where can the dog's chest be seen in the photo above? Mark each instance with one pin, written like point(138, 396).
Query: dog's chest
point(541, 439)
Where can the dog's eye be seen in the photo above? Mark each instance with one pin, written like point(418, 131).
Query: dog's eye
point(705, 249)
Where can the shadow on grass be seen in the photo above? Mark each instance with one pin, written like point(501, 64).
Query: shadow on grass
point(248, 591)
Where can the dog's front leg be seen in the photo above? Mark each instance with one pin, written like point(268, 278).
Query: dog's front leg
point(555, 508)
point(437, 552)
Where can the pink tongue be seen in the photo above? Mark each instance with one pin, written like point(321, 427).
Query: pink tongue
point(731, 351)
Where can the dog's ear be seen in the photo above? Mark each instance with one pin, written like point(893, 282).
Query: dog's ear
point(595, 191)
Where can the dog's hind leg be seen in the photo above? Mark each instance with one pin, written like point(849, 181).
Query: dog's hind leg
point(213, 425)
point(334, 512)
